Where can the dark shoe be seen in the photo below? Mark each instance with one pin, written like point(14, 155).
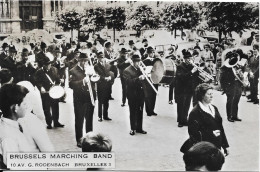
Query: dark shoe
point(122, 104)
point(141, 131)
point(100, 119)
point(230, 120)
point(251, 100)
point(108, 119)
point(111, 98)
point(79, 144)
point(132, 132)
point(170, 102)
point(236, 119)
point(256, 102)
point(149, 115)
point(180, 125)
point(49, 127)
point(59, 125)
point(154, 114)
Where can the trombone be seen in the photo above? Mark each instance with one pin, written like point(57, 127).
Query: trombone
point(142, 68)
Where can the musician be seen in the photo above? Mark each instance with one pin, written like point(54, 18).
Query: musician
point(72, 51)
point(135, 95)
point(103, 86)
point(10, 62)
point(184, 87)
point(172, 55)
point(4, 53)
point(110, 55)
point(42, 54)
point(231, 85)
point(82, 99)
point(45, 78)
point(150, 94)
point(25, 70)
point(122, 63)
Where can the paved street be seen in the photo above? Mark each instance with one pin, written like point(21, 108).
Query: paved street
point(159, 149)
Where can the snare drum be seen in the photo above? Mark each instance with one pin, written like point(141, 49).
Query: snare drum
point(57, 92)
point(163, 71)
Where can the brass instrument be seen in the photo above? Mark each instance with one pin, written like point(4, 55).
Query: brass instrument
point(142, 68)
point(203, 75)
point(236, 68)
point(94, 77)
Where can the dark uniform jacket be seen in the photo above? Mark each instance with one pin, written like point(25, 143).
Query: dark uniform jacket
point(227, 78)
point(25, 73)
point(80, 91)
point(103, 86)
point(121, 65)
point(201, 126)
point(134, 85)
point(42, 80)
point(184, 81)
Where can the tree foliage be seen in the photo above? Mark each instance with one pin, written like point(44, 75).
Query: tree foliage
point(115, 18)
point(226, 17)
point(180, 16)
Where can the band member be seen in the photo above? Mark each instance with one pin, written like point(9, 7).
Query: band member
point(10, 61)
point(103, 86)
point(83, 96)
point(110, 55)
point(4, 53)
point(231, 85)
point(135, 95)
point(42, 54)
point(144, 48)
point(184, 88)
point(131, 44)
point(45, 78)
point(122, 63)
point(150, 94)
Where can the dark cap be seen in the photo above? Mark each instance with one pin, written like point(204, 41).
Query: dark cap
point(144, 40)
point(43, 45)
point(124, 50)
point(150, 49)
point(186, 54)
point(73, 43)
point(4, 45)
point(76, 51)
point(136, 58)
point(43, 60)
point(83, 56)
point(131, 42)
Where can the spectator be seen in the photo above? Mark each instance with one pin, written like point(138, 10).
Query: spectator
point(250, 39)
point(207, 54)
point(203, 156)
point(205, 122)
point(13, 104)
point(95, 142)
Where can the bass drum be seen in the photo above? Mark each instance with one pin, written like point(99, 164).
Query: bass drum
point(163, 71)
point(57, 92)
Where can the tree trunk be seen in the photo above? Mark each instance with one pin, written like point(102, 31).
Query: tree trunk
point(71, 38)
point(175, 33)
point(219, 35)
point(114, 31)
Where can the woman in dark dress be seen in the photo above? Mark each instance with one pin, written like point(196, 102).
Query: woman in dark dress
point(205, 122)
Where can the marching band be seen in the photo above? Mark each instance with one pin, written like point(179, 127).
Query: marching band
point(90, 71)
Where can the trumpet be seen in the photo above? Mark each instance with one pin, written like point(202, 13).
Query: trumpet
point(203, 75)
point(142, 68)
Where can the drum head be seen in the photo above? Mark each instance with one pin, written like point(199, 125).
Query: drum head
point(56, 92)
point(157, 71)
